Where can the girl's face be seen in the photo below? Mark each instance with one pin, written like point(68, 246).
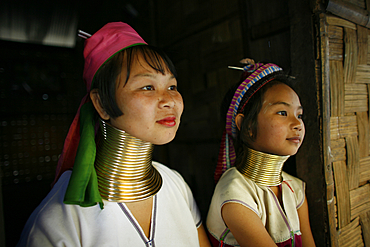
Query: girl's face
point(150, 103)
point(280, 129)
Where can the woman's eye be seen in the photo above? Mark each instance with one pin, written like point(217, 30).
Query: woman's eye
point(282, 113)
point(148, 88)
point(300, 116)
point(173, 88)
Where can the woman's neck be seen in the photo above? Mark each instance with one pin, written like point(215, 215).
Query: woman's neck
point(262, 168)
point(124, 167)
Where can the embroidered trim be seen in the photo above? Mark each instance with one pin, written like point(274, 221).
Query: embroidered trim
point(148, 242)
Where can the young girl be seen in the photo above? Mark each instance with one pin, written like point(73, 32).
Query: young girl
point(254, 202)
point(115, 195)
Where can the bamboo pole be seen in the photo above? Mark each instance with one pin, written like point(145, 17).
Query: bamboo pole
point(349, 11)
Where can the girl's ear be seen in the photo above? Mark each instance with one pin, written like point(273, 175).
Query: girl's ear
point(238, 120)
point(95, 98)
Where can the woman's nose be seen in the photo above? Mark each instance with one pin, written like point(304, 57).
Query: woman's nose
point(166, 100)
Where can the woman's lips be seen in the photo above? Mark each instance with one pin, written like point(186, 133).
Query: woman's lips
point(168, 121)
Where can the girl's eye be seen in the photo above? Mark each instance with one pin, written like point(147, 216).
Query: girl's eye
point(300, 116)
point(148, 88)
point(173, 88)
point(282, 113)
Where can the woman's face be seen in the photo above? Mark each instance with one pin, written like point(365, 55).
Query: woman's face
point(150, 103)
point(280, 129)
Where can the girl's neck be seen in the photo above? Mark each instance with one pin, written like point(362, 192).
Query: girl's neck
point(124, 167)
point(262, 168)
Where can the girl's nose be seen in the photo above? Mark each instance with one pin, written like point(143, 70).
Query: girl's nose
point(297, 124)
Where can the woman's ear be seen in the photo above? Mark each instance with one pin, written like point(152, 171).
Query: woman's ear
point(239, 120)
point(95, 98)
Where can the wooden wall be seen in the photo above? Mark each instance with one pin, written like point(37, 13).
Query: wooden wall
point(203, 38)
point(348, 64)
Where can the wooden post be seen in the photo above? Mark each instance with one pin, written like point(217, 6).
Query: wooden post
point(325, 87)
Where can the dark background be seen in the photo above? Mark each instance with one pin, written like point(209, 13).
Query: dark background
point(41, 86)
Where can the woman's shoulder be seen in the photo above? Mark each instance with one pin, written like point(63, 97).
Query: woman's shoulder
point(53, 205)
point(168, 173)
point(171, 178)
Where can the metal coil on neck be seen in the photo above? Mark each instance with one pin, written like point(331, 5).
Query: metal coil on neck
point(262, 168)
point(124, 167)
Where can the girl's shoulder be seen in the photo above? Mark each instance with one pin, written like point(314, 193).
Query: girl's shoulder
point(233, 178)
point(296, 187)
point(233, 186)
point(295, 183)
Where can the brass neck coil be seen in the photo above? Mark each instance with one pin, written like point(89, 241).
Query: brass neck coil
point(124, 167)
point(262, 168)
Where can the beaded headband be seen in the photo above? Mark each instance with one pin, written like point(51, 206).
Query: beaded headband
point(254, 73)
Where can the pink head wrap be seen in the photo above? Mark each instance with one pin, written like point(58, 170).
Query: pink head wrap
point(100, 47)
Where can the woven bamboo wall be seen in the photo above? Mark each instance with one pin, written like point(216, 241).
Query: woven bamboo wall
point(349, 78)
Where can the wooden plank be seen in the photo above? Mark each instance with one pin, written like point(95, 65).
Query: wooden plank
point(342, 192)
point(360, 196)
point(336, 21)
point(362, 44)
point(347, 126)
point(353, 162)
point(352, 239)
point(334, 128)
point(363, 74)
point(337, 90)
point(336, 43)
point(355, 212)
point(365, 224)
point(358, 3)
point(350, 54)
point(355, 98)
point(349, 227)
point(363, 133)
point(348, 11)
point(322, 71)
point(368, 50)
point(368, 93)
point(350, 235)
point(335, 51)
point(335, 33)
point(338, 150)
point(364, 169)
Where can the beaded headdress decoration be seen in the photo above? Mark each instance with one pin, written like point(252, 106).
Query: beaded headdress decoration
point(254, 72)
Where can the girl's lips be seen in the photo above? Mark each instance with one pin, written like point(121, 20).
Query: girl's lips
point(168, 121)
point(296, 139)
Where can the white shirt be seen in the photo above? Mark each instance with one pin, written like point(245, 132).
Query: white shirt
point(280, 221)
point(175, 218)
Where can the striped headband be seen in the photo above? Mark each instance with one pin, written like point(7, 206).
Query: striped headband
point(245, 91)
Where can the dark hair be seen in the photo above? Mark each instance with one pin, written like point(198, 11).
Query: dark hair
point(106, 77)
point(253, 101)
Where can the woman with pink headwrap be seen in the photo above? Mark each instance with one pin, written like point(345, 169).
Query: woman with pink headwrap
point(108, 191)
